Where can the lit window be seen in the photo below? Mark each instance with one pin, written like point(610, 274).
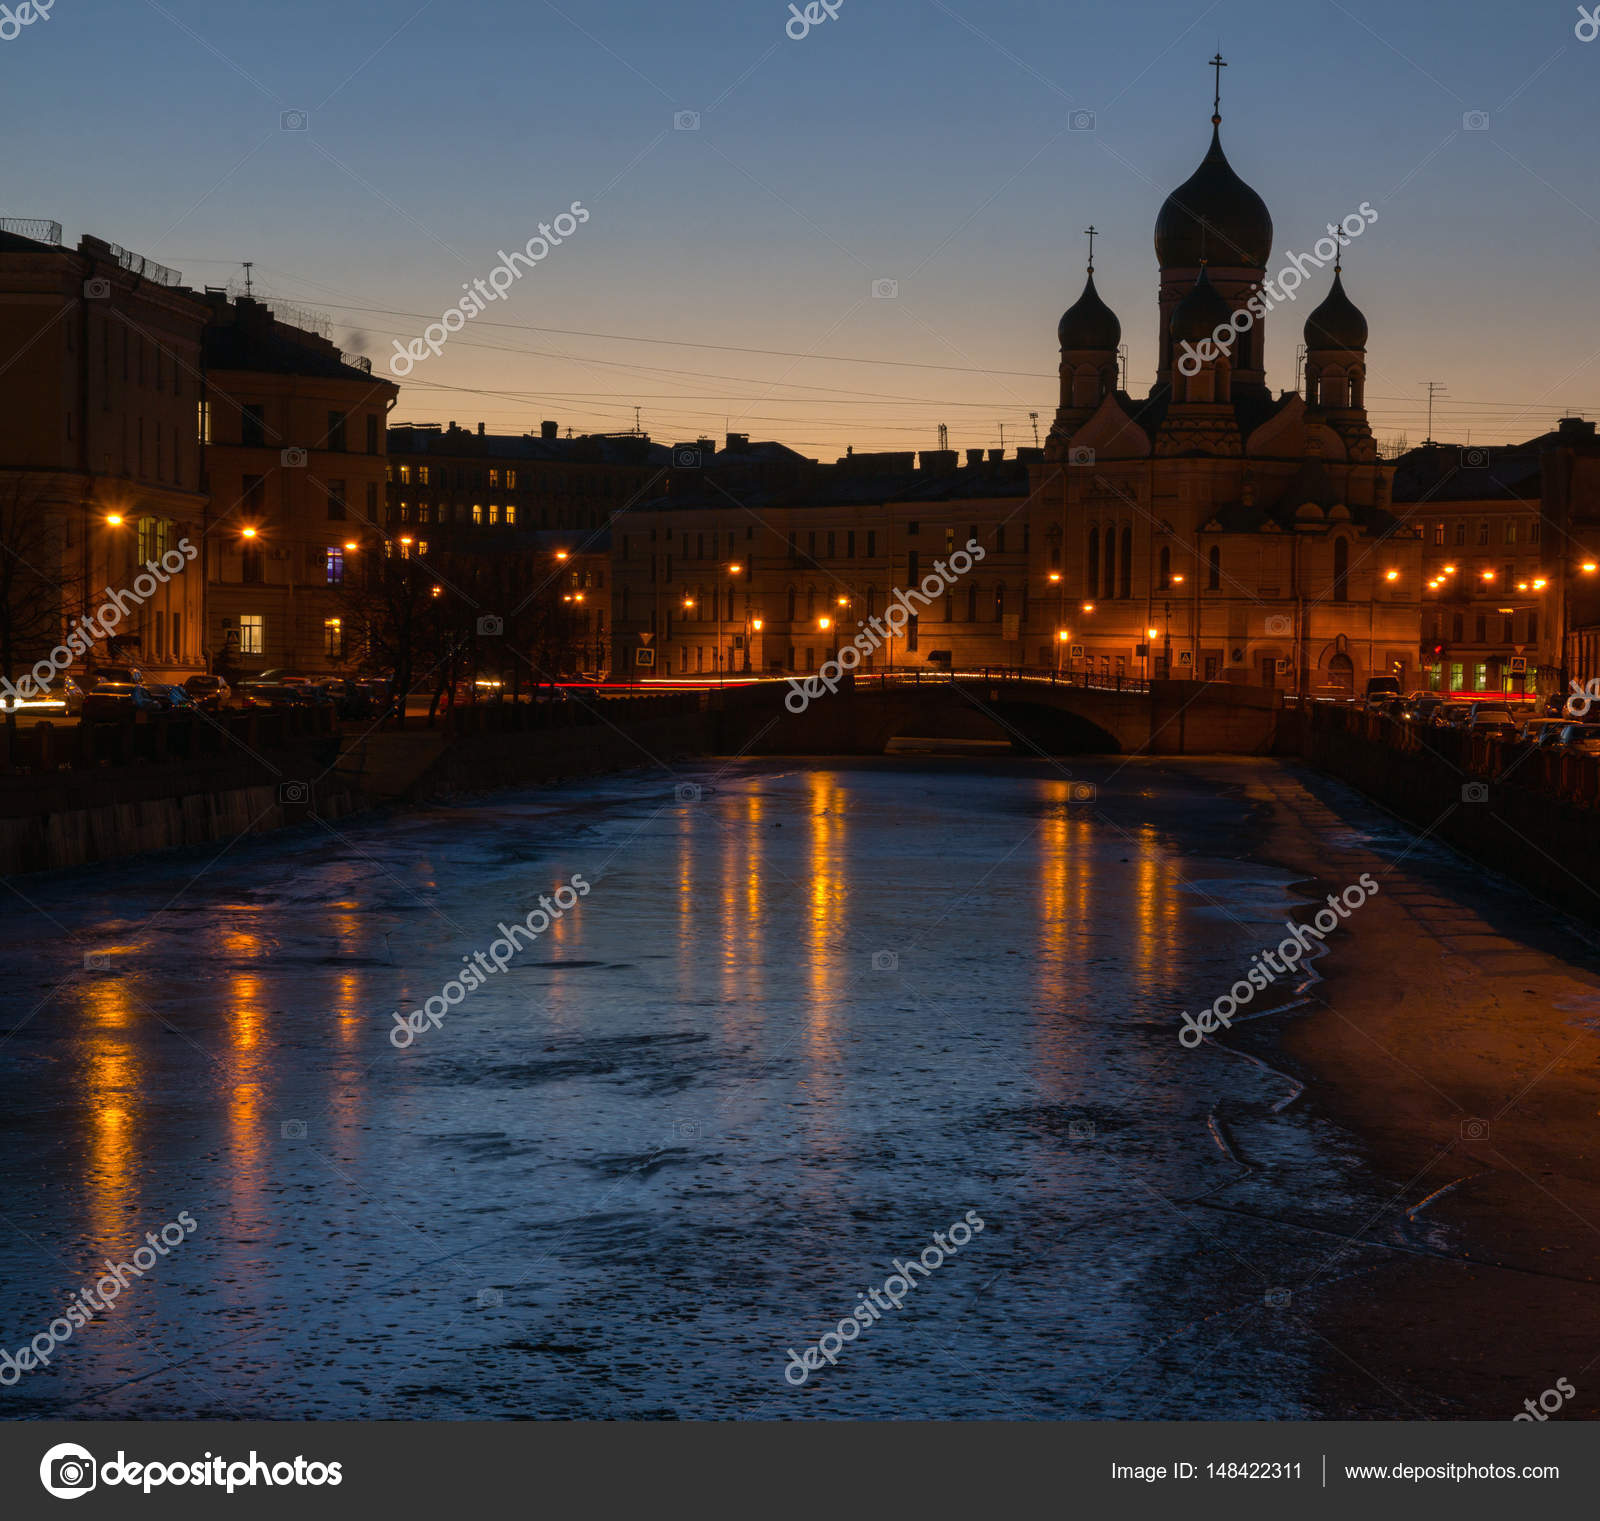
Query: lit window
point(335, 564)
point(511, 512)
point(333, 638)
point(494, 512)
point(422, 546)
point(477, 512)
point(494, 478)
point(405, 475)
point(252, 634)
point(405, 512)
point(204, 423)
point(422, 475)
point(511, 483)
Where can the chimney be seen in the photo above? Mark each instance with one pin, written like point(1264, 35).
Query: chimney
point(549, 430)
point(1575, 429)
point(997, 456)
point(706, 445)
point(938, 461)
point(738, 441)
point(974, 458)
point(480, 430)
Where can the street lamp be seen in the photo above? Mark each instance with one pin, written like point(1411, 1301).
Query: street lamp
point(722, 664)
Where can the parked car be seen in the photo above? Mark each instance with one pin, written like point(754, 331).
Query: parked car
point(1539, 732)
point(60, 694)
point(1494, 726)
point(272, 694)
point(119, 675)
point(118, 702)
point(172, 699)
point(284, 676)
point(209, 692)
point(1450, 715)
point(1421, 706)
point(1582, 739)
point(1381, 688)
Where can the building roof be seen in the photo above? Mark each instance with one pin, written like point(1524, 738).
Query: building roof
point(592, 448)
point(854, 482)
point(245, 335)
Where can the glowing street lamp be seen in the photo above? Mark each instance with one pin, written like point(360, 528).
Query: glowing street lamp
point(1391, 575)
point(113, 520)
point(1055, 577)
point(1088, 607)
point(250, 533)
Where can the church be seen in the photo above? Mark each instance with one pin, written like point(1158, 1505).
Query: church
point(1212, 529)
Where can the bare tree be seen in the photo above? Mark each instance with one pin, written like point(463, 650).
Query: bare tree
point(37, 593)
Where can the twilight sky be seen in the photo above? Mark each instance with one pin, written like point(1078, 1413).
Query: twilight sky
point(935, 143)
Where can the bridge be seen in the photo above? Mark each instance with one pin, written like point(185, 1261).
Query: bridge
point(1032, 710)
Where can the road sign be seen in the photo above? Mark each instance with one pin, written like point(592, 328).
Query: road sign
point(1076, 651)
point(644, 657)
point(1519, 665)
point(1186, 658)
point(646, 638)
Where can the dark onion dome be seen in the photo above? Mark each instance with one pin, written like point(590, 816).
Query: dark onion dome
point(1214, 214)
point(1337, 323)
point(1090, 323)
point(1200, 313)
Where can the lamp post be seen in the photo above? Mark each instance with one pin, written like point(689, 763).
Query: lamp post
point(733, 570)
point(1166, 646)
point(1062, 636)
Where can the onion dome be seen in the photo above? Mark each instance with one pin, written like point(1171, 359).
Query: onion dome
point(1090, 323)
point(1200, 313)
point(1338, 323)
point(1214, 213)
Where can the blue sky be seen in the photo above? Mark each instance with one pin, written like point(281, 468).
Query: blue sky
point(929, 142)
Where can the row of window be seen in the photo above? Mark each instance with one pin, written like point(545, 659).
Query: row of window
point(1484, 533)
point(253, 430)
point(250, 637)
point(495, 479)
point(443, 512)
point(1501, 631)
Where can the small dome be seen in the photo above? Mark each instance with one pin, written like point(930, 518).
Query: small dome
point(1200, 313)
point(1214, 215)
point(1090, 323)
point(1338, 323)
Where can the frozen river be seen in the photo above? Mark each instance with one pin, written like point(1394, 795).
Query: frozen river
point(800, 1023)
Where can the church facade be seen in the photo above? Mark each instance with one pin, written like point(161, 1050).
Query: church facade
point(1211, 529)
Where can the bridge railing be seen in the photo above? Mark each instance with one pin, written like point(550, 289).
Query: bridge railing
point(997, 675)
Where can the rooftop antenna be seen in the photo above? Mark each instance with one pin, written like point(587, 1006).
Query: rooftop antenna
point(1033, 417)
point(1002, 438)
point(249, 289)
point(1435, 388)
point(1219, 63)
point(944, 437)
point(636, 427)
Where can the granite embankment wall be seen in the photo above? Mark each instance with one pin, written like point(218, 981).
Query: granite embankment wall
point(74, 794)
point(1533, 817)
